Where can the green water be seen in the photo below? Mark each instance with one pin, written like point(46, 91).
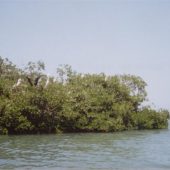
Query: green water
point(125, 150)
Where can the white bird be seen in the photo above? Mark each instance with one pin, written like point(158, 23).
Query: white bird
point(54, 80)
point(82, 75)
point(106, 78)
point(18, 83)
point(47, 82)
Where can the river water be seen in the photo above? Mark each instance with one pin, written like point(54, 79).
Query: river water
point(148, 149)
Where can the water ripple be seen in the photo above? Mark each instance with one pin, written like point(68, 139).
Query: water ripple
point(125, 150)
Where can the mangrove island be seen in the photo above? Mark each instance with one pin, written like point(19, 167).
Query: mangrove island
point(32, 102)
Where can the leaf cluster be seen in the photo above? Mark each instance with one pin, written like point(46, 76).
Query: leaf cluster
point(73, 103)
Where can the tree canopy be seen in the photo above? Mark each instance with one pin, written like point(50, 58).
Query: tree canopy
point(32, 102)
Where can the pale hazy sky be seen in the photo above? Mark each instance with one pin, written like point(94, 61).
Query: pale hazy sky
point(111, 36)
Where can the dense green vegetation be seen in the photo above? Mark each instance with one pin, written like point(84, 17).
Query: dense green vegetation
point(73, 102)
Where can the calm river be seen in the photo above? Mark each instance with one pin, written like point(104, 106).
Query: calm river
point(125, 150)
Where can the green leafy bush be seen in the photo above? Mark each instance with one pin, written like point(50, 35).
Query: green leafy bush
point(72, 103)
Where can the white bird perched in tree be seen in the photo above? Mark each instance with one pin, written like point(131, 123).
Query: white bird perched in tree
point(47, 82)
point(82, 75)
point(54, 80)
point(106, 78)
point(18, 83)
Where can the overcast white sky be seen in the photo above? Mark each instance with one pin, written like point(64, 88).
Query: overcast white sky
point(115, 37)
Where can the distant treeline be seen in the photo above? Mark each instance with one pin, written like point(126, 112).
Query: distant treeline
point(32, 102)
